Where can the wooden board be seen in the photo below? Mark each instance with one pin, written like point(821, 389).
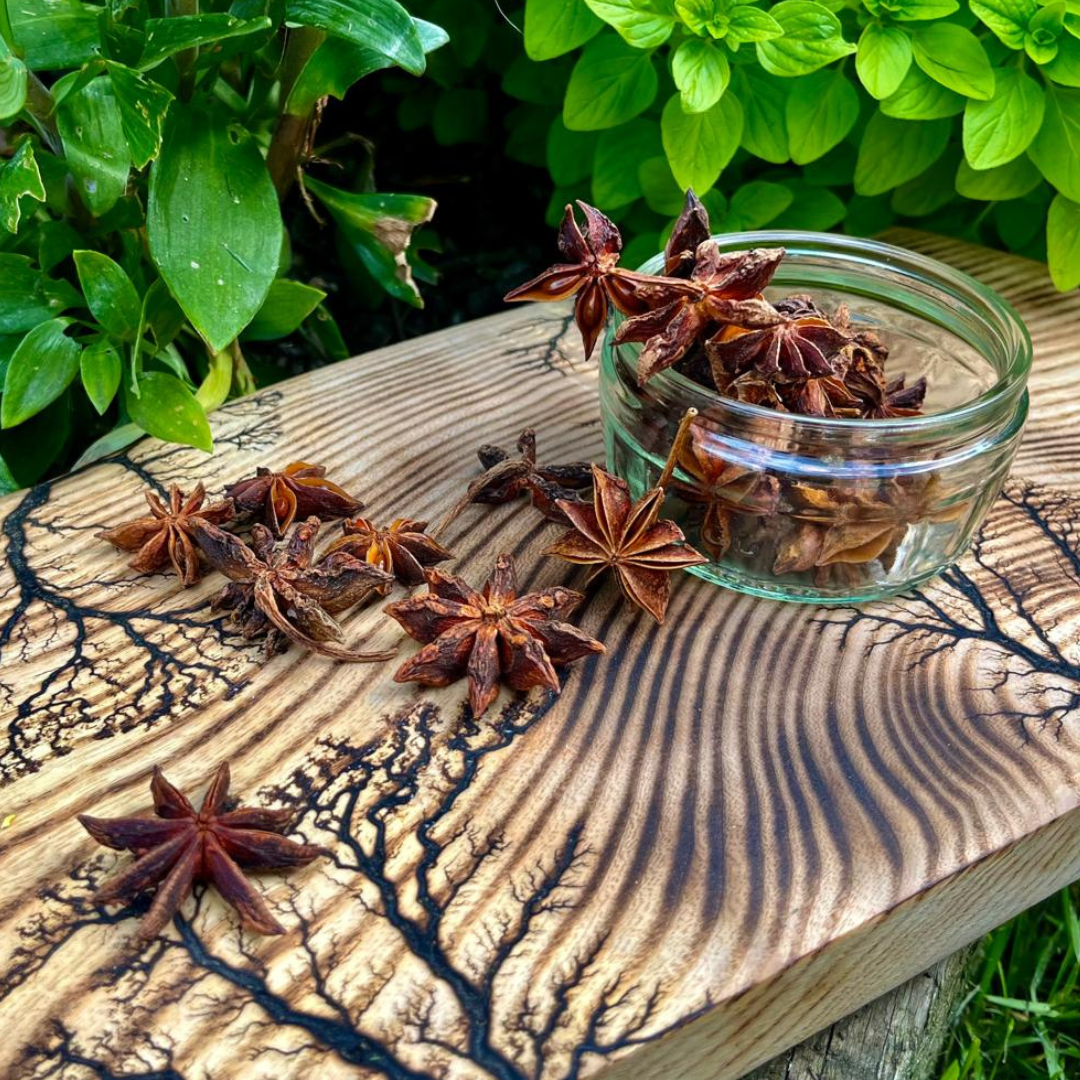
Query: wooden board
point(721, 837)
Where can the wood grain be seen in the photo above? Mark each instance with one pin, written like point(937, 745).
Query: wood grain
point(721, 837)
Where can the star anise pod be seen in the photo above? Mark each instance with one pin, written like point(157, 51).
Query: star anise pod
point(491, 636)
point(824, 395)
point(164, 536)
point(402, 549)
point(591, 271)
point(182, 845)
point(691, 230)
point(723, 289)
point(298, 490)
point(507, 477)
point(881, 400)
point(279, 590)
point(790, 348)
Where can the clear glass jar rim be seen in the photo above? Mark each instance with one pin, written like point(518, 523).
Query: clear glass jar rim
point(979, 298)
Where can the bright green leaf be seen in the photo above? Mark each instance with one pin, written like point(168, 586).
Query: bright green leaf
point(699, 145)
point(812, 38)
point(143, 105)
point(662, 193)
point(998, 130)
point(894, 151)
point(1056, 148)
point(883, 59)
point(645, 24)
point(1063, 242)
point(764, 99)
point(918, 10)
point(41, 369)
point(287, 305)
point(94, 144)
point(816, 209)
point(168, 410)
point(100, 370)
point(166, 37)
point(821, 109)
point(19, 177)
point(1008, 19)
point(554, 27)
point(755, 205)
point(619, 153)
point(1064, 69)
point(13, 82)
point(382, 25)
point(28, 297)
point(747, 23)
point(611, 83)
point(213, 222)
point(53, 34)
point(954, 57)
point(109, 293)
point(920, 98)
point(701, 73)
point(1009, 181)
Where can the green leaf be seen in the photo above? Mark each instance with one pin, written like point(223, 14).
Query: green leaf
point(1064, 69)
point(569, 153)
point(554, 27)
point(764, 99)
point(54, 34)
point(883, 59)
point(747, 23)
point(894, 151)
point(94, 144)
point(699, 145)
point(28, 450)
point(815, 209)
point(382, 25)
point(168, 410)
point(19, 177)
point(120, 437)
point(287, 305)
point(755, 205)
point(1008, 19)
point(645, 24)
point(100, 370)
point(619, 153)
point(662, 193)
point(920, 98)
point(13, 82)
point(214, 389)
point(143, 105)
point(1009, 181)
point(821, 109)
point(213, 221)
point(812, 38)
point(166, 37)
point(1056, 148)
point(28, 297)
point(917, 10)
point(378, 229)
point(109, 293)
point(1063, 242)
point(930, 191)
point(954, 57)
point(41, 369)
point(611, 83)
point(998, 130)
point(701, 73)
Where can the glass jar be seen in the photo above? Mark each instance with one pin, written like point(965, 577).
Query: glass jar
point(837, 510)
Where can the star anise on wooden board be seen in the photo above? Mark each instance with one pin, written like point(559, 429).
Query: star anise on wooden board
point(403, 548)
point(629, 536)
point(182, 845)
point(164, 537)
point(299, 490)
point(492, 636)
point(591, 271)
point(279, 589)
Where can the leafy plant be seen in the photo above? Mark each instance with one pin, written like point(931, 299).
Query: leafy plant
point(960, 116)
point(148, 148)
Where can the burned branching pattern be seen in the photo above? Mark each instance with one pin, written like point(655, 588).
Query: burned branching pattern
point(405, 855)
point(51, 617)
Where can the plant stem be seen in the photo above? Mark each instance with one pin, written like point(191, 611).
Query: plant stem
point(187, 59)
point(677, 447)
point(293, 133)
point(243, 379)
point(40, 105)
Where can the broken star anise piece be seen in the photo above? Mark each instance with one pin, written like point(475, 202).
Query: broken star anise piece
point(299, 490)
point(279, 590)
point(591, 271)
point(403, 548)
point(164, 536)
point(790, 348)
point(491, 636)
point(881, 400)
point(183, 845)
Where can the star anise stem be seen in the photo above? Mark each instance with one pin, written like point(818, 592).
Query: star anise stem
point(678, 445)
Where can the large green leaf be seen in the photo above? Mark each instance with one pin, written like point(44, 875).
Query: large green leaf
point(816, 209)
point(1064, 69)
point(930, 191)
point(755, 205)
point(1007, 18)
point(167, 409)
point(167, 37)
point(611, 83)
point(1063, 242)
point(659, 186)
point(954, 57)
point(812, 38)
point(378, 229)
point(700, 145)
point(28, 297)
point(914, 10)
point(13, 81)
point(41, 369)
point(764, 99)
point(884, 58)
point(998, 130)
point(94, 145)
point(287, 305)
point(1056, 148)
point(99, 367)
point(19, 178)
point(382, 25)
point(821, 109)
point(55, 34)
point(143, 105)
point(619, 153)
point(109, 293)
point(920, 98)
point(645, 24)
point(554, 27)
point(213, 221)
point(894, 151)
point(701, 72)
point(1011, 181)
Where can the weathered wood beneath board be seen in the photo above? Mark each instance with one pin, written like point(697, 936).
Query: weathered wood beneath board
point(721, 837)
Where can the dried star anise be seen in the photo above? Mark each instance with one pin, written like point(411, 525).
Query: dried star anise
point(883, 400)
point(691, 230)
point(592, 272)
point(279, 590)
point(299, 490)
point(403, 548)
point(491, 636)
point(628, 536)
point(165, 536)
point(183, 845)
point(792, 348)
